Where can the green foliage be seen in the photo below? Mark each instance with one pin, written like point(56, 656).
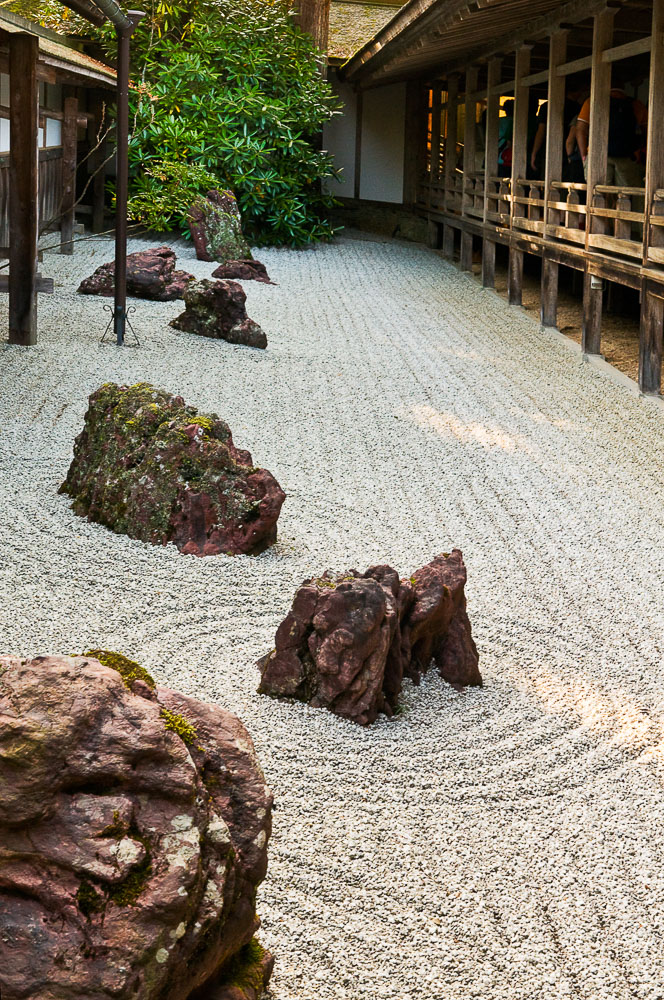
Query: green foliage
point(163, 192)
point(232, 87)
point(50, 14)
point(179, 725)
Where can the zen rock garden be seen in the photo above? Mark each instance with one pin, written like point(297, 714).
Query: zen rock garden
point(149, 466)
point(133, 835)
point(350, 639)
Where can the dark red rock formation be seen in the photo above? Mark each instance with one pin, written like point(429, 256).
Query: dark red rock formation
point(217, 309)
point(243, 270)
point(216, 228)
point(151, 274)
point(350, 639)
point(133, 835)
point(148, 466)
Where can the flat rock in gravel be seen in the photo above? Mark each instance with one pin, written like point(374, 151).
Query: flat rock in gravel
point(350, 639)
point(134, 824)
point(217, 309)
point(151, 467)
point(216, 228)
point(151, 274)
point(243, 270)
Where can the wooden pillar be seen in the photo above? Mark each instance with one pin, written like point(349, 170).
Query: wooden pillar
point(650, 340)
point(555, 146)
point(490, 167)
point(650, 337)
point(436, 114)
point(23, 188)
point(591, 331)
point(359, 108)
point(549, 295)
point(69, 164)
point(415, 142)
point(448, 241)
point(519, 165)
point(600, 104)
point(313, 17)
point(469, 146)
point(96, 163)
point(451, 140)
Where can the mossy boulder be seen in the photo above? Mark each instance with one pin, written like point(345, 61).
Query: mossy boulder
point(151, 274)
point(131, 846)
point(217, 309)
point(151, 467)
point(216, 228)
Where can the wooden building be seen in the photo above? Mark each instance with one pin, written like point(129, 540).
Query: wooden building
point(53, 99)
point(437, 77)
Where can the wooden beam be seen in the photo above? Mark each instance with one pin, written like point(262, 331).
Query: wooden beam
point(519, 164)
point(600, 104)
point(576, 66)
point(97, 124)
point(23, 188)
point(69, 164)
point(490, 167)
point(555, 143)
point(636, 48)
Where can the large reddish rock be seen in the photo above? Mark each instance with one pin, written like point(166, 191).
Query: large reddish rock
point(216, 228)
point(151, 467)
point(217, 309)
point(350, 639)
point(134, 824)
point(243, 270)
point(151, 274)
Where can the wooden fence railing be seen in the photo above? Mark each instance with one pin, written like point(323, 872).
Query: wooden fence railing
point(50, 189)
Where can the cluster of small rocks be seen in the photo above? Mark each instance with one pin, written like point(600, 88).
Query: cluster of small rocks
point(350, 639)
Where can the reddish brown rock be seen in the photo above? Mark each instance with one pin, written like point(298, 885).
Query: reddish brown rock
point(148, 466)
point(243, 270)
point(216, 228)
point(217, 309)
point(133, 835)
point(350, 639)
point(151, 274)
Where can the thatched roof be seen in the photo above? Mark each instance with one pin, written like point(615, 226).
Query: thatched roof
point(352, 24)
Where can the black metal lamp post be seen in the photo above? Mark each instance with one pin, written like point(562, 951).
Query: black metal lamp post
point(97, 11)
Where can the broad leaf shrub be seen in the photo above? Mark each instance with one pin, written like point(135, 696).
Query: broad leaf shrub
point(230, 90)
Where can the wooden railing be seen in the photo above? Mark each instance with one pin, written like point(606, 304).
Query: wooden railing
point(498, 200)
point(50, 189)
point(616, 217)
point(528, 205)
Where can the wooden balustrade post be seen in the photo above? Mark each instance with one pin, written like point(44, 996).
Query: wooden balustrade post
point(553, 163)
point(69, 164)
point(519, 166)
point(490, 167)
point(469, 145)
point(591, 330)
point(23, 188)
point(652, 311)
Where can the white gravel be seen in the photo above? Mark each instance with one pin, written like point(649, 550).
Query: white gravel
point(503, 843)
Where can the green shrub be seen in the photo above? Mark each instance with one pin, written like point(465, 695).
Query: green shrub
point(233, 88)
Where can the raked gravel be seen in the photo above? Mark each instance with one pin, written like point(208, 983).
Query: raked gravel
point(502, 843)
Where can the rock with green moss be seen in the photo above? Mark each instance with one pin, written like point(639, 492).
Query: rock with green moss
point(217, 309)
point(151, 467)
point(134, 825)
point(216, 228)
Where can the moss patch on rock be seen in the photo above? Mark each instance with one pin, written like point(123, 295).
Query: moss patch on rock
point(129, 670)
point(179, 725)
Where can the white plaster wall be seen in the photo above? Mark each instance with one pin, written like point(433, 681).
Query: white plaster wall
point(383, 124)
point(339, 139)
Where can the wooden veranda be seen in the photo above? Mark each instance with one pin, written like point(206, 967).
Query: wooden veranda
point(53, 98)
point(461, 62)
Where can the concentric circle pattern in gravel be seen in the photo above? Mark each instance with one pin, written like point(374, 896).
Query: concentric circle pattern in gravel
point(502, 843)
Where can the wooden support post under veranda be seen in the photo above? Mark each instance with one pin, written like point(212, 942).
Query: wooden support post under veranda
point(519, 167)
point(652, 312)
point(23, 188)
point(69, 162)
